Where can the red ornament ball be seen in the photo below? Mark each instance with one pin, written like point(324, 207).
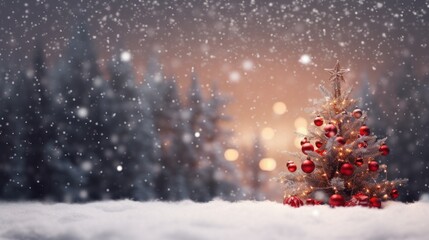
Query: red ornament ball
point(330, 130)
point(364, 131)
point(311, 201)
point(357, 113)
point(340, 140)
point(359, 161)
point(330, 134)
point(318, 121)
point(336, 200)
point(291, 166)
point(305, 140)
point(384, 149)
point(318, 143)
point(308, 166)
point(293, 201)
point(375, 202)
point(330, 127)
point(307, 147)
point(347, 169)
point(394, 194)
point(373, 166)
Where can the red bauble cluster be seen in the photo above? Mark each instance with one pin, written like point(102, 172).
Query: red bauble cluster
point(373, 166)
point(336, 200)
point(364, 130)
point(347, 169)
point(394, 194)
point(357, 113)
point(308, 166)
point(307, 147)
point(293, 201)
point(384, 149)
point(291, 166)
point(330, 130)
point(375, 202)
point(358, 199)
point(318, 121)
point(359, 161)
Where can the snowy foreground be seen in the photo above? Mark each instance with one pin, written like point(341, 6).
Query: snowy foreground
point(215, 220)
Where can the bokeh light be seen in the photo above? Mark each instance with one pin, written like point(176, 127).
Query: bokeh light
point(279, 108)
point(234, 76)
point(267, 133)
point(268, 164)
point(125, 56)
point(231, 154)
point(248, 65)
point(300, 123)
point(82, 112)
point(305, 59)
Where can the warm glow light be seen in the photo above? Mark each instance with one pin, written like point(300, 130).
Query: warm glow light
point(267, 133)
point(279, 108)
point(267, 164)
point(231, 154)
point(300, 123)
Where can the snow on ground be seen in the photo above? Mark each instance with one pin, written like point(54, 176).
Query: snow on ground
point(214, 220)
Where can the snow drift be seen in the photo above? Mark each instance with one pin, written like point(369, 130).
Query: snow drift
point(214, 220)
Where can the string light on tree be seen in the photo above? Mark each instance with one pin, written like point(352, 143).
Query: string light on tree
point(345, 165)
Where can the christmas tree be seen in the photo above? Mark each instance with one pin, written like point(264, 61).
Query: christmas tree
point(346, 164)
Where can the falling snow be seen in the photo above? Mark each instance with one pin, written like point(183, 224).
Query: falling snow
point(129, 96)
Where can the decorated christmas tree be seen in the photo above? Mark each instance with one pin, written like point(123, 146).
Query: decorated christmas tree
point(341, 159)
